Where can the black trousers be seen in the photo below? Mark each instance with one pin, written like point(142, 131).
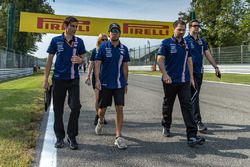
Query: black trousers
point(184, 95)
point(60, 89)
point(196, 105)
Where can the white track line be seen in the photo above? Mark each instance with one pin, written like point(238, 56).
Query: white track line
point(48, 154)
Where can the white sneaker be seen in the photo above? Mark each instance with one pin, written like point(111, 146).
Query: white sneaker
point(99, 127)
point(120, 143)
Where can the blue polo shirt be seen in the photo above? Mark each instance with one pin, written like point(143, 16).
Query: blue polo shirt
point(197, 49)
point(176, 59)
point(64, 70)
point(93, 55)
point(111, 70)
point(92, 58)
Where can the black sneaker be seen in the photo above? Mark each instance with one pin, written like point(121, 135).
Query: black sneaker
point(166, 132)
point(192, 141)
point(59, 143)
point(72, 143)
point(96, 119)
point(201, 127)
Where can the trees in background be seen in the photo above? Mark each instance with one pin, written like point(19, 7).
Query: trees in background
point(23, 42)
point(224, 22)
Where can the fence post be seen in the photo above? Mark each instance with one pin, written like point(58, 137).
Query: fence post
point(145, 53)
point(219, 54)
point(134, 57)
point(241, 54)
point(139, 55)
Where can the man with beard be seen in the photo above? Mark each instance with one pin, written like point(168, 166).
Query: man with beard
point(175, 64)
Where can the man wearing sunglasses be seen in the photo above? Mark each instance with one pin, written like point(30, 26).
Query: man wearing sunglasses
point(69, 51)
point(198, 49)
point(111, 71)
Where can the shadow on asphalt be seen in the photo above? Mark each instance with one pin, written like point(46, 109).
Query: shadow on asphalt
point(145, 139)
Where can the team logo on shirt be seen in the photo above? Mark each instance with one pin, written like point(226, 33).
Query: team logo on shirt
point(108, 52)
point(121, 51)
point(173, 48)
point(59, 46)
point(192, 45)
point(199, 42)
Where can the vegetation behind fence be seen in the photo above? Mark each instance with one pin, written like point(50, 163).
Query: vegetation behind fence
point(223, 55)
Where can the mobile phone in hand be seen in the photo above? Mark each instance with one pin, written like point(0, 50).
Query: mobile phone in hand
point(194, 94)
point(218, 74)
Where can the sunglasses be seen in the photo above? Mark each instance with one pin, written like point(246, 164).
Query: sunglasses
point(115, 31)
point(73, 26)
point(105, 39)
point(196, 26)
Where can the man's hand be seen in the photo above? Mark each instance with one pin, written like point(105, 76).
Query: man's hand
point(126, 89)
point(217, 72)
point(88, 82)
point(167, 79)
point(76, 60)
point(98, 85)
point(46, 84)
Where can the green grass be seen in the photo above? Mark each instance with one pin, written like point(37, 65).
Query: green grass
point(21, 109)
point(226, 77)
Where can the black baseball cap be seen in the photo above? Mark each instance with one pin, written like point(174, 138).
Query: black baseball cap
point(114, 26)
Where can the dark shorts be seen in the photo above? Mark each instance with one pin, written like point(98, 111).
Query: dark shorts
point(93, 81)
point(105, 97)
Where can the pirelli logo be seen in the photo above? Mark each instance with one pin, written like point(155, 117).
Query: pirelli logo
point(145, 29)
point(57, 24)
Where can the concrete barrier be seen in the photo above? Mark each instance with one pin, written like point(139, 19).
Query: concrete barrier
point(234, 68)
point(10, 73)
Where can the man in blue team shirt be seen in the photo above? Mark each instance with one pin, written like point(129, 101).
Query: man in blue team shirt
point(198, 48)
point(111, 71)
point(176, 67)
point(69, 51)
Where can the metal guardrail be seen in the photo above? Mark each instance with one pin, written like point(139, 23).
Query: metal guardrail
point(222, 55)
point(11, 73)
point(234, 68)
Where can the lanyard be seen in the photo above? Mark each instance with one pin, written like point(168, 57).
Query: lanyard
point(74, 54)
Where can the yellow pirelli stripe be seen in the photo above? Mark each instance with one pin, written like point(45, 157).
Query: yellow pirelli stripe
point(90, 26)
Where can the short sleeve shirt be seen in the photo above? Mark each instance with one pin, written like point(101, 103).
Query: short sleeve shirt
point(197, 49)
point(176, 59)
point(64, 69)
point(93, 54)
point(111, 70)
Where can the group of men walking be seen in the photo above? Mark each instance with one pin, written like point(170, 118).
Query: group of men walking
point(179, 60)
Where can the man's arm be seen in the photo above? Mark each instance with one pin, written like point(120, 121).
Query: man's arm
point(90, 67)
point(97, 74)
point(190, 69)
point(166, 78)
point(125, 72)
point(212, 62)
point(47, 71)
point(210, 58)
